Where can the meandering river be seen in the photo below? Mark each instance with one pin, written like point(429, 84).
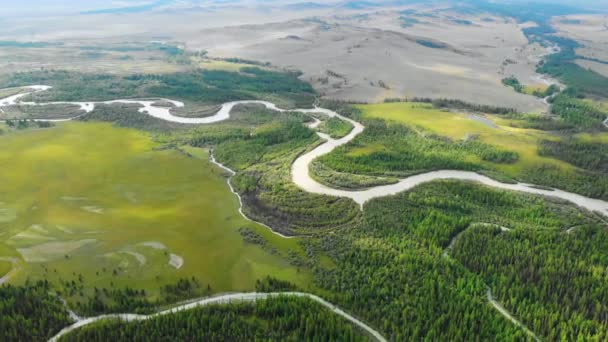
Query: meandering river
point(300, 167)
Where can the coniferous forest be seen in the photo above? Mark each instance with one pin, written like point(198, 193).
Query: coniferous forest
point(30, 312)
point(273, 319)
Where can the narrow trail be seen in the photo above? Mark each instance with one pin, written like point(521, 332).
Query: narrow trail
point(450, 247)
point(221, 299)
point(508, 315)
point(498, 306)
point(573, 228)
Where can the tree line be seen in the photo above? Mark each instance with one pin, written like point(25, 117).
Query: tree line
point(272, 319)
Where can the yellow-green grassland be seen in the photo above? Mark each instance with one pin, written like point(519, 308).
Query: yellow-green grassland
point(112, 207)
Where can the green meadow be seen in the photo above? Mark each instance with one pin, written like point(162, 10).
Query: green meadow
point(458, 126)
point(5, 267)
point(212, 64)
point(109, 207)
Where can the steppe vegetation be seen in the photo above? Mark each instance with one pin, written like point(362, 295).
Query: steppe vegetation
point(109, 57)
point(105, 211)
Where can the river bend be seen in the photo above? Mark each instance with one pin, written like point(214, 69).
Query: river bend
point(300, 167)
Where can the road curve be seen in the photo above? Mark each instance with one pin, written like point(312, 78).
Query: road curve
point(221, 299)
point(300, 167)
point(452, 243)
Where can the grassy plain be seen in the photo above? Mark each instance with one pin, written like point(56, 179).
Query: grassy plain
point(5, 267)
point(536, 88)
point(99, 57)
point(213, 64)
point(335, 127)
point(489, 130)
point(113, 206)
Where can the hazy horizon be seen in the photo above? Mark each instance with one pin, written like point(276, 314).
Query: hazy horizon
point(72, 7)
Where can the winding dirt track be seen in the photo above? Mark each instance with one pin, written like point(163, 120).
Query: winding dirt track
point(221, 299)
point(508, 315)
point(497, 305)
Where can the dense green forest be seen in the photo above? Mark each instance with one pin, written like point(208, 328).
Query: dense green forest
point(202, 86)
point(344, 180)
point(25, 124)
point(581, 81)
point(553, 280)
point(591, 156)
point(582, 115)
point(592, 184)
point(390, 270)
point(30, 313)
point(273, 319)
